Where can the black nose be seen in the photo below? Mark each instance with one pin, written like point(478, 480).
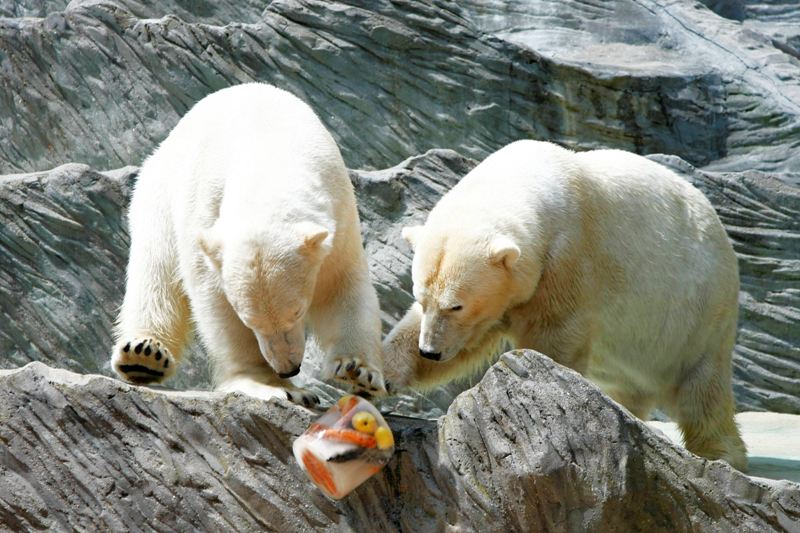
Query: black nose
point(433, 356)
point(290, 373)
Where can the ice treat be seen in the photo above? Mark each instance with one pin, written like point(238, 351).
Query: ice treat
point(347, 445)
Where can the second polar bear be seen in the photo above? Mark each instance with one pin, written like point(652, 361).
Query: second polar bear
point(244, 220)
point(603, 260)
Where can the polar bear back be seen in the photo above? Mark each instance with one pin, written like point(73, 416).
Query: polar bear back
point(652, 218)
point(232, 121)
point(635, 209)
point(677, 282)
point(250, 150)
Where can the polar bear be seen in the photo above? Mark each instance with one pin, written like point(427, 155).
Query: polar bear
point(244, 220)
point(605, 261)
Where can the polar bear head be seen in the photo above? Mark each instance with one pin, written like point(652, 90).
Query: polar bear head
point(464, 284)
point(269, 277)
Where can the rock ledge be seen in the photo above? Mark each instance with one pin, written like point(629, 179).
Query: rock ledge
point(532, 447)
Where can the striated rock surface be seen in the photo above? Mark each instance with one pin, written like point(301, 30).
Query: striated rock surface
point(63, 250)
point(667, 76)
point(103, 81)
point(533, 447)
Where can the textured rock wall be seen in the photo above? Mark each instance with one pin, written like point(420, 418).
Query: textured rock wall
point(533, 447)
point(99, 83)
point(63, 251)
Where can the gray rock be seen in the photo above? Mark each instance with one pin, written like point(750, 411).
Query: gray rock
point(760, 10)
point(533, 447)
point(725, 89)
point(205, 11)
point(401, 77)
point(63, 251)
point(30, 8)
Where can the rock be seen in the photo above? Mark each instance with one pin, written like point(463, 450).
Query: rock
point(63, 251)
point(533, 447)
point(205, 11)
point(30, 8)
point(102, 83)
point(64, 247)
point(670, 69)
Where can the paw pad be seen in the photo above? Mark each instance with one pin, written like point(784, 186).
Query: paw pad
point(143, 360)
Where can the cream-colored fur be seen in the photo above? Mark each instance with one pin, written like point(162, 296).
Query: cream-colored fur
point(605, 261)
point(244, 220)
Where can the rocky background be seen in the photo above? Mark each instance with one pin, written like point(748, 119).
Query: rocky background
point(415, 92)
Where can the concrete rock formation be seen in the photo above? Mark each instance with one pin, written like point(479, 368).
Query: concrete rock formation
point(533, 447)
point(63, 251)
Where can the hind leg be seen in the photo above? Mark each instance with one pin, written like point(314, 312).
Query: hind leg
point(638, 403)
point(704, 410)
point(153, 323)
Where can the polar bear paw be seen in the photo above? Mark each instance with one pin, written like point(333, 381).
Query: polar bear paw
point(143, 360)
point(364, 379)
point(302, 397)
point(265, 391)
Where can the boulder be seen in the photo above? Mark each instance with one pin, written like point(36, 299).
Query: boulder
point(532, 447)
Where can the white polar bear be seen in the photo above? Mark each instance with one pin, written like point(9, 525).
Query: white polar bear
point(603, 260)
point(245, 219)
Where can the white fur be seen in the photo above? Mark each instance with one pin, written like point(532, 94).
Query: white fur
point(245, 215)
point(605, 261)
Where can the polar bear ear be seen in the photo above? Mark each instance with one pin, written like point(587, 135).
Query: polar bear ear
point(503, 251)
point(410, 234)
point(316, 238)
point(211, 244)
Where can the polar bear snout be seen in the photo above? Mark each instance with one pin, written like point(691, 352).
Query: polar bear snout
point(283, 351)
point(289, 374)
point(433, 356)
point(438, 340)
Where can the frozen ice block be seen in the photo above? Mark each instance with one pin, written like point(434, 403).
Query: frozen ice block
point(345, 446)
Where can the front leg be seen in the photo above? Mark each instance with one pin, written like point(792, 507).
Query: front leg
point(238, 365)
point(401, 356)
point(348, 328)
